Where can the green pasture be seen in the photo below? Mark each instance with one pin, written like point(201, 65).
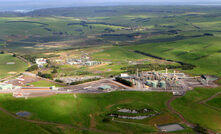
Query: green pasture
point(215, 102)
point(73, 109)
point(18, 126)
point(5, 68)
point(117, 54)
point(202, 52)
point(189, 106)
point(44, 83)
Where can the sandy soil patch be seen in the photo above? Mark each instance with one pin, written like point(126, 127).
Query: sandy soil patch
point(12, 72)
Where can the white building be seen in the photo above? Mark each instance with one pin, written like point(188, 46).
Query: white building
point(92, 63)
point(72, 63)
point(123, 75)
point(4, 86)
point(41, 62)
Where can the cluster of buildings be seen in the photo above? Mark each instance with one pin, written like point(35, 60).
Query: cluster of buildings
point(41, 62)
point(6, 87)
point(177, 82)
point(69, 80)
point(83, 62)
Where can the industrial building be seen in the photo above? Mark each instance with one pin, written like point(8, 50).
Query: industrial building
point(84, 62)
point(176, 81)
point(4, 86)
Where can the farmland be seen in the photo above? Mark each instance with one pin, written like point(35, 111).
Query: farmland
point(195, 112)
point(215, 102)
point(38, 32)
point(11, 65)
point(74, 110)
point(121, 39)
point(202, 52)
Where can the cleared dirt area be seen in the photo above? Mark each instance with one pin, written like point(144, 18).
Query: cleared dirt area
point(94, 87)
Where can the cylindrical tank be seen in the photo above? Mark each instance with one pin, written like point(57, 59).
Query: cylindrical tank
point(154, 84)
point(163, 84)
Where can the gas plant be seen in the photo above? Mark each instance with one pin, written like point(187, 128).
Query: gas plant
point(159, 80)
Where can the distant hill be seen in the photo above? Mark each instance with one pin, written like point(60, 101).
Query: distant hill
point(109, 11)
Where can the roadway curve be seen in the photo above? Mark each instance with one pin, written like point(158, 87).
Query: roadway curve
point(210, 98)
point(172, 110)
point(191, 125)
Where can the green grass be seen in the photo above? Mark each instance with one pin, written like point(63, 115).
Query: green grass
point(194, 112)
point(215, 102)
point(117, 54)
point(18, 67)
point(44, 83)
point(10, 125)
point(70, 110)
point(202, 52)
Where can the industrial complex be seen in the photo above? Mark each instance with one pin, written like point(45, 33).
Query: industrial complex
point(176, 82)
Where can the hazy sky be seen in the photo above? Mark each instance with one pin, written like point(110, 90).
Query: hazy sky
point(33, 4)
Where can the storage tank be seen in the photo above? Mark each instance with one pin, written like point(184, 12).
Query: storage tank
point(154, 84)
point(162, 84)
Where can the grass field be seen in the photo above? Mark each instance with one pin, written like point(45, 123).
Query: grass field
point(68, 109)
point(18, 66)
point(44, 83)
point(17, 126)
point(199, 113)
point(23, 127)
point(203, 52)
point(189, 34)
point(122, 26)
point(215, 102)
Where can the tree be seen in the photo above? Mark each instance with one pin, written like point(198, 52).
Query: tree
point(32, 68)
point(54, 71)
point(200, 129)
point(123, 81)
point(60, 81)
point(47, 76)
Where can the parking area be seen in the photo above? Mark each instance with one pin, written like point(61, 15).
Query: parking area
point(104, 85)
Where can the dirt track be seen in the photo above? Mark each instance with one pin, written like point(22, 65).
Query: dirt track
point(172, 110)
point(210, 98)
point(54, 124)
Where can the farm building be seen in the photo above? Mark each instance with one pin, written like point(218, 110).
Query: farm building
point(41, 62)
